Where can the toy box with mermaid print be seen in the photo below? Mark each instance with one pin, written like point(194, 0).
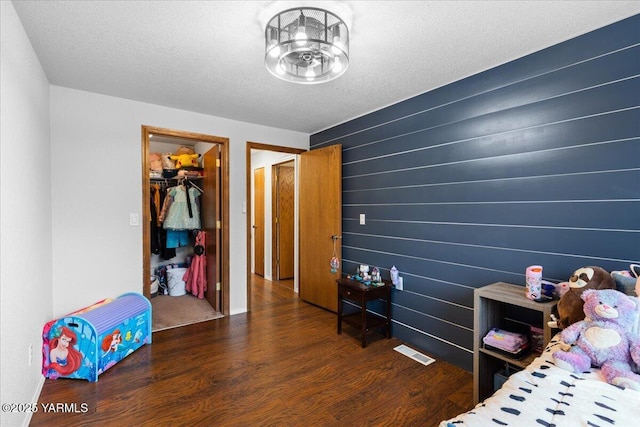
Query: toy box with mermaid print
point(87, 342)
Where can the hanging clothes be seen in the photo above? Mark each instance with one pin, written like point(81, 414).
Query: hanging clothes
point(156, 189)
point(158, 234)
point(176, 238)
point(196, 276)
point(166, 204)
point(166, 252)
point(155, 226)
point(183, 213)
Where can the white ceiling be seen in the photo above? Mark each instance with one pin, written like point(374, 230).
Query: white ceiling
point(208, 56)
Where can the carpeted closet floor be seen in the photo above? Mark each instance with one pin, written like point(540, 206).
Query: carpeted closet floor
point(171, 312)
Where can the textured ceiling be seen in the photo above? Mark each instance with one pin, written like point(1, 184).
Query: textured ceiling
point(208, 56)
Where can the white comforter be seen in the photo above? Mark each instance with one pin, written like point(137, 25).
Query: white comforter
point(544, 395)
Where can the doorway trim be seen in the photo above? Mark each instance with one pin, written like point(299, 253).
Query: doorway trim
point(248, 172)
point(224, 199)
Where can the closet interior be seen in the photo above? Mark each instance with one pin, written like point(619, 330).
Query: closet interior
point(184, 231)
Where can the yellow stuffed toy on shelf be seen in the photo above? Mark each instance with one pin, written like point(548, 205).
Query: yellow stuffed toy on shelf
point(185, 160)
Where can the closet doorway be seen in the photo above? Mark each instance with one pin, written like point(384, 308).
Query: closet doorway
point(271, 163)
point(212, 180)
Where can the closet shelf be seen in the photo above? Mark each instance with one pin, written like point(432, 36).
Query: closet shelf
point(175, 178)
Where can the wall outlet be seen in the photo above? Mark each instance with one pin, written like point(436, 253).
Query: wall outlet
point(363, 219)
point(400, 284)
point(30, 354)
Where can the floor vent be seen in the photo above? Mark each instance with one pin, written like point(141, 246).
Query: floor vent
point(415, 355)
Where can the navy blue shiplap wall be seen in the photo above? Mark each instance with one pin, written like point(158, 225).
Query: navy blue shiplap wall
point(536, 161)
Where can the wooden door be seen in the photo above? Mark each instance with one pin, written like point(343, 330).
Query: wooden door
point(283, 219)
point(320, 219)
point(211, 223)
point(258, 222)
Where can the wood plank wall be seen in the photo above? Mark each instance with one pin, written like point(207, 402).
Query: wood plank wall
point(536, 161)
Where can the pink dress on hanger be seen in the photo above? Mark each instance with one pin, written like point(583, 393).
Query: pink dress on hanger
point(196, 276)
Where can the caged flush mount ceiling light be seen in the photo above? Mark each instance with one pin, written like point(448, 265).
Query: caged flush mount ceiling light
point(306, 45)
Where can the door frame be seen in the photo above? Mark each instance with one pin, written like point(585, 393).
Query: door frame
point(249, 172)
point(224, 199)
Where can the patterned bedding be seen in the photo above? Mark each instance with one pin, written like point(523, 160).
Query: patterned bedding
point(544, 395)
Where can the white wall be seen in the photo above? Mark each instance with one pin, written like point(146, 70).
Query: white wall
point(96, 149)
point(25, 216)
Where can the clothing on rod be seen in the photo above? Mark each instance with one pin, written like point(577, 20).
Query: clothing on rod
point(196, 276)
point(183, 212)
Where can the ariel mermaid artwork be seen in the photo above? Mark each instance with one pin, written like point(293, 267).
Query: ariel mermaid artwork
point(63, 356)
point(112, 341)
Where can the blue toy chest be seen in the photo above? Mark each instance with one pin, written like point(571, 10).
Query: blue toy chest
point(87, 342)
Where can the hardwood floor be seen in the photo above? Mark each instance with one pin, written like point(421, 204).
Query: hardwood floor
point(265, 292)
point(282, 364)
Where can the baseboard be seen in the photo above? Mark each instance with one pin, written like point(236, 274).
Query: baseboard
point(34, 400)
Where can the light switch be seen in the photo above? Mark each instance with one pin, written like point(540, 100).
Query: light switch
point(134, 219)
point(362, 219)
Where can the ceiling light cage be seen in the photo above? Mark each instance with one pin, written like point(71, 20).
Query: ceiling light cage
point(306, 45)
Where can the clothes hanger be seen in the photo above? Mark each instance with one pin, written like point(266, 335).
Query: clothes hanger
point(194, 184)
point(181, 181)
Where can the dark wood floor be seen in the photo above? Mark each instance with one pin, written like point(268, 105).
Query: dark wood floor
point(282, 364)
point(265, 292)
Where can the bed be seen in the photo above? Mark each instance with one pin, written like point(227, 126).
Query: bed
point(545, 395)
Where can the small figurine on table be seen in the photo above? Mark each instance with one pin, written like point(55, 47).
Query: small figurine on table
point(375, 275)
point(364, 272)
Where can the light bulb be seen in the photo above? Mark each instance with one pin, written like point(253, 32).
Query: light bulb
point(310, 74)
point(301, 37)
point(274, 52)
point(337, 48)
point(337, 65)
point(337, 44)
point(273, 42)
point(301, 34)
